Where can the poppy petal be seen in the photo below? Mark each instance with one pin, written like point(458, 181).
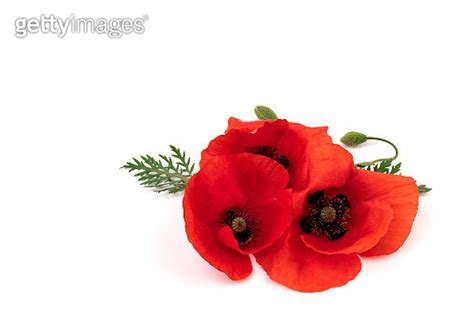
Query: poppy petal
point(240, 141)
point(270, 179)
point(295, 148)
point(270, 202)
point(292, 264)
point(330, 166)
point(234, 264)
point(400, 192)
point(229, 184)
point(317, 134)
point(274, 218)
point(235, 123)
point(226, 236)
point(291, 148)
point(368, 224)
point(222, 185)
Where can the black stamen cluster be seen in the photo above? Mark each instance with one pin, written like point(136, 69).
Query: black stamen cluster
point(273, 154)
point(314, 222)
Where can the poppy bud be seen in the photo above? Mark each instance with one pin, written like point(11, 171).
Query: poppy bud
point(353, 138)
point(265, 113)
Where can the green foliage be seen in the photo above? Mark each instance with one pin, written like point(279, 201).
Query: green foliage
point(385, 166)
point(165, 174)
point(265, 113)
point(423, 189)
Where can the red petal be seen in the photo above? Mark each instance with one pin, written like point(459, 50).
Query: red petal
point(291, 263)
point(317, 134)
point(240, 141)
point(202, 236)
point(295, 148)
point(222, 184)
point(226, 236)
point(270, 203)
point(368, 224)
point(330, 166)
point(271, 180)
point(275, 134)
point(274, 218)
point(400, 192)
point(235, 123)
point(294, 141)
point(240, 181)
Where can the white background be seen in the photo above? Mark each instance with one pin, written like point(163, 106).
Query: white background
point(80, 236)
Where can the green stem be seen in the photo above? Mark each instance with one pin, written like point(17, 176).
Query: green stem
point(365, 164)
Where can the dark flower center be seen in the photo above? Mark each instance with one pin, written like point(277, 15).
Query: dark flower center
point(326, 216)
point(242, 224)
point(273, 154)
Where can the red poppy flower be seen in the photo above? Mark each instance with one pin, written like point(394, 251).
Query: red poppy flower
point(317, 135)
point(234, 206)
point(287, 143)
point(344, 213)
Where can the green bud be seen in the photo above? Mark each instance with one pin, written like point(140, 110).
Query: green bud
point(265, 113)
point(353, 138)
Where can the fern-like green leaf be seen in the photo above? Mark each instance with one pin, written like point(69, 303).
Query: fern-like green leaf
point(165, 174)
point(423, 189)
point(385, 166)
